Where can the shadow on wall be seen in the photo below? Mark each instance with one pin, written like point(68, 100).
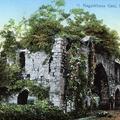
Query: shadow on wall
point(101, 87)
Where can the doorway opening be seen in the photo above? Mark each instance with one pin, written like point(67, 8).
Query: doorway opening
point(117, 99)
point(101, 87)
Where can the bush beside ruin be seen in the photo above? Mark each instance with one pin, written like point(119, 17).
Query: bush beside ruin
point(31, 112)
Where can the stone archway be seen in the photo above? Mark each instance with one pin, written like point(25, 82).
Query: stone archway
point(23, 97)
point(101, 87)
point(117, 98)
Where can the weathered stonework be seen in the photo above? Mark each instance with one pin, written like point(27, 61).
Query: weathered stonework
point(35, 68)
point(109, 75)
point(47, 71)
point(57, 81)
point(50, 71)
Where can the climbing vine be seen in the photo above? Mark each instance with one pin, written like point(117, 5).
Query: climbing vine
point(77, 80)
point(51, 21)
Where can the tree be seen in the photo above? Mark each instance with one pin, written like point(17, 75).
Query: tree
point(8, 76)
point(8, 73)
point(3, 71)
point(44, 25)
point(83, 23)
point(51, 21)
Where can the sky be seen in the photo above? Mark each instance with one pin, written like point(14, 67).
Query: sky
point(108, 10)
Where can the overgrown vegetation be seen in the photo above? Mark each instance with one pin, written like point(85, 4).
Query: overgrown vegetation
point(51, 20)
point(77, 81)
point(9, 74)
point(41, 111)
point(48, 22)
point(35, 89)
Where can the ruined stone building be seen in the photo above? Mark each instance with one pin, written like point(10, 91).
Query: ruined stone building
point(48, 71)
point(51, 71)
point(106, 73)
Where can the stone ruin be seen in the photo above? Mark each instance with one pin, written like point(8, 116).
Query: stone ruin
point(106, 77)
point(50, 71)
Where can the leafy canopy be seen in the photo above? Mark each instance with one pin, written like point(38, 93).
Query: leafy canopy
point(52, 20)
point(48, 22)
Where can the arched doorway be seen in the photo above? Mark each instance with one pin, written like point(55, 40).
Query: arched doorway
point(101, 86)
point(23, 97)
point(117, 99)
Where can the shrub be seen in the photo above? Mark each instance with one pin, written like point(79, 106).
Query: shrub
point(31, 112)
point(36, 89)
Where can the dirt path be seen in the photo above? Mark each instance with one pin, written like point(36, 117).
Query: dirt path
point(115, 116)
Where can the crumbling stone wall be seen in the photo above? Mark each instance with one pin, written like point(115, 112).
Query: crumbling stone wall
point(36, 66)
point(48, 71)
point(109, 63)
point(57, 81)
point(52, 72)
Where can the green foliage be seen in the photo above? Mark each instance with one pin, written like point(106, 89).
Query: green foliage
point(40, 111)
point(2, 69)
point(77, 81)
point(10, 43)
point(85, 23)
point(10, 82)
point(59, 3)
point(35, 89)
point(40, 37)
point(52, 20)
point(9, 74)
point(44, 25)
point(48, 22)
point(11, 34)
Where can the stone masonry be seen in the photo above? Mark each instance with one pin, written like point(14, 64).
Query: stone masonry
point(109, 75)
point(57, 81)
point(50, 71)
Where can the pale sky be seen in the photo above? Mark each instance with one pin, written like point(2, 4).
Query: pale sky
point(108, 10)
